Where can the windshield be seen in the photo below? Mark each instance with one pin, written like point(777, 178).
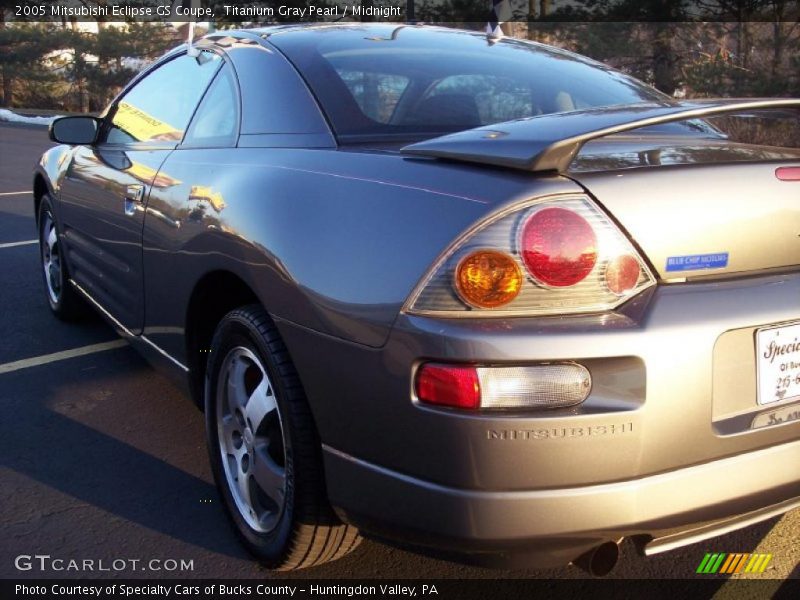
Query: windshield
point(390, 82)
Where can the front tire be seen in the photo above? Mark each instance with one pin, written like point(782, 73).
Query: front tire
point(63, 300)
point(264, 448)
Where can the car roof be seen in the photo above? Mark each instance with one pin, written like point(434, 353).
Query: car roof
point(377, 28)
point(328, 29)
point(434, 33)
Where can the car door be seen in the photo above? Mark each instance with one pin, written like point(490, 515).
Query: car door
point(180, 216)
point(105, 190)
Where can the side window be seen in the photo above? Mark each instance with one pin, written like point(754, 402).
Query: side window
point(215, 122)
point(159, 107)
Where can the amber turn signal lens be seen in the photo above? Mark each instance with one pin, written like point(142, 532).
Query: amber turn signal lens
point(488, 279)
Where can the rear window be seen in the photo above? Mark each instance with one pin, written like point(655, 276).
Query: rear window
point(418, 82)
point(495, 98)
point(376, 94)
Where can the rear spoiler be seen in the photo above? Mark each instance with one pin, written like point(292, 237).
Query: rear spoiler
point(550, 142)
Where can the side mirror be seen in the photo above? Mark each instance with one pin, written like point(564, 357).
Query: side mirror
point(74, 130)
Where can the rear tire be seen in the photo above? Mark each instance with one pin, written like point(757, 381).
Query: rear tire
point(64, 300)
point(264, 448)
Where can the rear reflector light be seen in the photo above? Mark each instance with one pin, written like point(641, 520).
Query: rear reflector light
point(541, 386)
point(452, 386)
point(622, 274)
point(788, 173)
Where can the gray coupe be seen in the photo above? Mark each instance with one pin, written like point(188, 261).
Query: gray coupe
point(484, 298)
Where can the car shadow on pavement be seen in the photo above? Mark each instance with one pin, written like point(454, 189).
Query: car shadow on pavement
point(54, 439)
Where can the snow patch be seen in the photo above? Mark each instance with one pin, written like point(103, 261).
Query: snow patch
point(12, 117)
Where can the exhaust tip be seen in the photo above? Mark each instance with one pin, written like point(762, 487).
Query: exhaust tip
point(600, 560)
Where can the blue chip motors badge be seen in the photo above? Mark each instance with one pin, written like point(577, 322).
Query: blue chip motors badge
point(696, 262)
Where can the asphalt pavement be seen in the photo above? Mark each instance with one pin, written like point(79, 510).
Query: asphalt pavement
point(103, 460)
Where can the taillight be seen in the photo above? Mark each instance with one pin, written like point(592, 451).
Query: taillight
point(449, 385)
point(502, 387)
point(558, 247)
point(788, 173)
point(550, 256)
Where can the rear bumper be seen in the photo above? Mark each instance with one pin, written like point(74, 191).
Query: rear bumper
point(671, 435)
point(557, 525)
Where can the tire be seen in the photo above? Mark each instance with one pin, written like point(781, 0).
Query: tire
point(264, 448)
point(62, 298)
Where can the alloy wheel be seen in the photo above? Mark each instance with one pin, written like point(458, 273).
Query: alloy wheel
point(251, 439)
point(51, 259)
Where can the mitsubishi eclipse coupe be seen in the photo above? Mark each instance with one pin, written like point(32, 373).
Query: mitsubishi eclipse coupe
point(488, 299)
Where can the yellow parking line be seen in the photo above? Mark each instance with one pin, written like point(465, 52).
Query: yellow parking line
point(15, 244)
point(44, 359)
point(14, 193)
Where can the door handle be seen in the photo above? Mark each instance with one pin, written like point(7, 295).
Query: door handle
point(134, 196)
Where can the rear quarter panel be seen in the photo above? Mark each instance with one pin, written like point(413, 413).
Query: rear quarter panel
point(331, 240)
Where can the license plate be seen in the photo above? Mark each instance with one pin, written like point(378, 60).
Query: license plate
point(778, 363)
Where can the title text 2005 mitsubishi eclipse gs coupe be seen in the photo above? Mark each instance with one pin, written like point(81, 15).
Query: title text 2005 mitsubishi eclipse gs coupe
point(491, 299)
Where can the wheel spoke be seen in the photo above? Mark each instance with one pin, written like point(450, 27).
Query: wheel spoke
point(52, 237)
point(230, 460)
point(238, 454)
point(234, 455)
point(56, 283)
point(268, 475)
point(260, 404)
point(237, 396)
point(50, 259)
point(229, 427)
point(243, 484)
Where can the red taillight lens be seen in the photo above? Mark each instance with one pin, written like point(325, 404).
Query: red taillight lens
point(558, 246)
point(455, 386)
point(622, 274)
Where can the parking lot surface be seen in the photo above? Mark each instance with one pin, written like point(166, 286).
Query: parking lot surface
point(103, 459)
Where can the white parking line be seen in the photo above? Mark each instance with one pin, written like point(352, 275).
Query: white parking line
point(57, 356)
point(14, 193)
point(15, 244)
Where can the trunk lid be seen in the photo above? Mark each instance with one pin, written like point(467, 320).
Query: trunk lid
point(706, 219)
